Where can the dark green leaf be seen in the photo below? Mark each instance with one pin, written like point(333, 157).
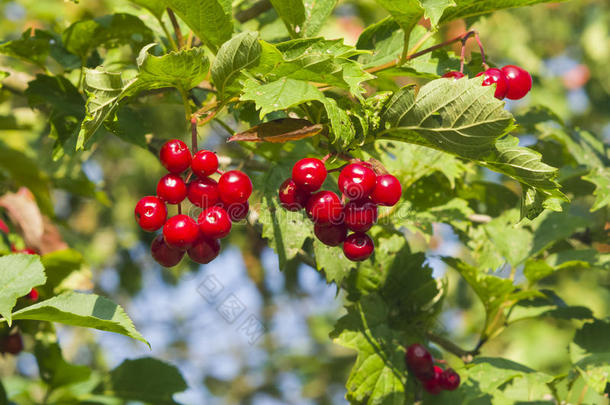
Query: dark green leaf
point(241, 52)
point(54, 369)
point(590, 353)
point(471, 8)
point(156, 7)
point(292, 12)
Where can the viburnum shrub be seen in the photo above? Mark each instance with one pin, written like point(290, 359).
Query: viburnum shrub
point(456, 202)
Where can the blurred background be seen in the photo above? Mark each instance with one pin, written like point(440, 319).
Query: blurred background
point(288, 358)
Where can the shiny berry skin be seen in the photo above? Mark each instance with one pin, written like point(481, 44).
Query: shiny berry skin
point(204, 163)
point(331, 235)
point(12, 344)
point(356, 181)
point(237, 211)
point(449, 380)
point(292, 197)
point(151, 213)
point(497, 77)
point(454, 74)
point(33, 295)
point(214, 223)
point(360, 215)
point(204, 250)
point(203, 192)
point(234, 187)
point(163, 254)
point(324, 207)
point(3, 227)
point(175, 156)
point(309, 174)
point(358, 247)
point(433, 385)
point(419, 361)
point(387, 190)
point(171, 189)
point(519, 82)
point(180, 231)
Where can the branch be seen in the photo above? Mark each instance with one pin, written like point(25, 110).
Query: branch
point(257, 9)
point(176, 26)
point(466, 355)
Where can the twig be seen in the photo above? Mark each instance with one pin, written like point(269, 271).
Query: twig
point(466, 355)
point(257, 9)
point(176, 26)
point(194, 134)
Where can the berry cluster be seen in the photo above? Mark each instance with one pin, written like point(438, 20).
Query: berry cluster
point(221, 203)
point(433, 378)
point(332, 218)
point(511, 81)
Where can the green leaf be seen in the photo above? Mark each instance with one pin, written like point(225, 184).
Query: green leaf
point(335, 265)
point(292, 12)
point(37, 47)
point(285, 230)
point(156, 7)
point(511, 240)
point(590, 354)
point(19, 273)
point(210, 20)
point(85, 310)
point(385, 39)
point(379, 375)
point(59, 265)
point(241, 52)
point(601, 178)
point(109, 31)
point(183, 70)
point(146, 379)
point(316, 14)
point(556, 226)
point(54, 369)
point(471, 8)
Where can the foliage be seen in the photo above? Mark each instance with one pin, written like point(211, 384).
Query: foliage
point(499, 243)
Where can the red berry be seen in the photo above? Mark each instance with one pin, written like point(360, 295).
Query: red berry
point(163, 254)
point(33, 295)
point(237, 211)
point(324, 207)
point(180, 231)
point(204, 250)
point(454, 74)
point(292, 197)
point(234, 187)
point(449, 380)
point(419, 361)
point(519, 81)
point(171, 188)
point(204, 163)
point(175, 156)
point(151, 213)
point(12, 344)
point(214, 223)
point(497, 77)
point(26, 251)
point(360, 215)
point(433, 385)
point(358, 247)
point(309, 174)
point(3, 227)
point(203, 192)
point(356, 181)
point(331, 235)
point(387, 190)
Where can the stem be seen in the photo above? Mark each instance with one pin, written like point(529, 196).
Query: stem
point(465, 355)
point(405, 48)
point(464, 51)
point(397, 62)
point(421, 41)
point(176, 26)
point(257, 9)
point(179, 208)
point(186, 103)
point(167, 34)
point(189, 40)
point(476, 37)
point(194, 134)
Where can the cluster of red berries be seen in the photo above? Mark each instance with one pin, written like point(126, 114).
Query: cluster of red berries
point(433, 378)
point(332, 218)
point(511, 81)
point(221, 203)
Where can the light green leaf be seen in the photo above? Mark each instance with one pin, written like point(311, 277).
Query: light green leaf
point(316, 14)
point(385, 39)
point(590, 354)
point(379, 375)
point(332, 261)
point(292, 12)
point(511, 240)
point(59, 265)
point(84, 36)
point(156, 7)
point(38, 47)
point(471, 8)
point(601, 178)
point(280, 94)
point(85, 310)
point(19, 273)
point(146, 379)
point(241, 52)
point(553, 227)
point(210, 20)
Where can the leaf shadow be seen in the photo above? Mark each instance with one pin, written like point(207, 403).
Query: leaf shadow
point(104, 309)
